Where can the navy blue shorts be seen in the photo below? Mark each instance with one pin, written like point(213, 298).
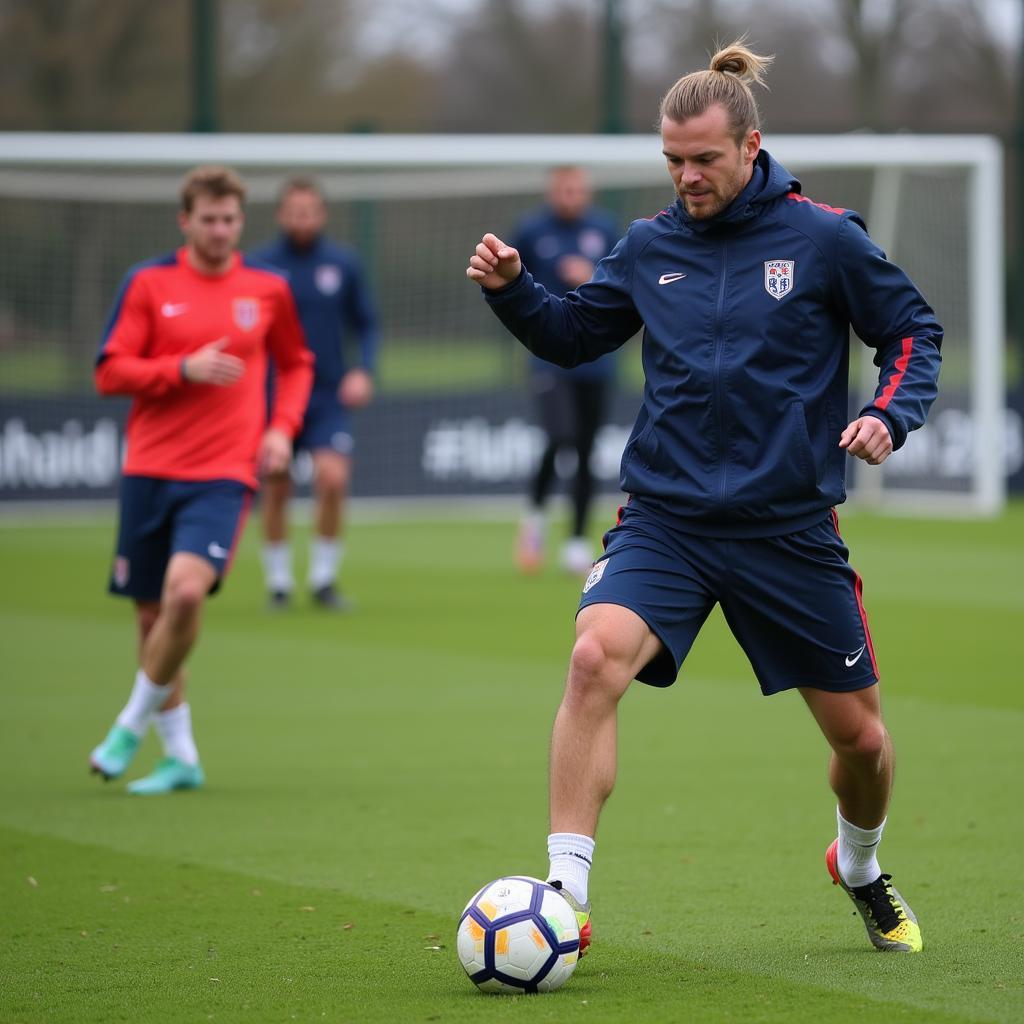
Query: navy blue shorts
point(160, 517)
point(793, 602)
point(327, 424)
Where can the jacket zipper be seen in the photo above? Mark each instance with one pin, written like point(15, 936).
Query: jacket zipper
point(716, 380)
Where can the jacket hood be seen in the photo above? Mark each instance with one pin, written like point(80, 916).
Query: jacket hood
point(769, 181)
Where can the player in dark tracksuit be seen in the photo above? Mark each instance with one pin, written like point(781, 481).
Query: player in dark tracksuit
point(334, 305)
point(561, 242)
point(746, 291)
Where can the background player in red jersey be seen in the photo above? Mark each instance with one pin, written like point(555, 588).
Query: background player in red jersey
point(188, 339)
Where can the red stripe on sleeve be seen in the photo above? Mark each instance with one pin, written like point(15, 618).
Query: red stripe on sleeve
point(896, 379)
point(800, 198)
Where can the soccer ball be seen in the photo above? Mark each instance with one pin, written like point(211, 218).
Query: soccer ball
point(518, 934)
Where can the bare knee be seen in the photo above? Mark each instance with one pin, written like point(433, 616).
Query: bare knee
point(866, 744)
point(183, 598)
point(331, 477)
point(589, 657)
point(594, 671)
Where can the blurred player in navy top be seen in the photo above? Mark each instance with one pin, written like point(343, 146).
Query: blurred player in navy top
point(336, 310)
point(561, 243)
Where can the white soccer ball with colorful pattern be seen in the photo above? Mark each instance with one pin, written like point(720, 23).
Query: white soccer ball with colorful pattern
point(518, 934)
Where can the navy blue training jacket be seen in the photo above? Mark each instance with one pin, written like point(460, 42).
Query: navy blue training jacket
point(746, 321)
point(332, 298)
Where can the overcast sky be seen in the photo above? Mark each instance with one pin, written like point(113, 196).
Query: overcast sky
point(425, 25)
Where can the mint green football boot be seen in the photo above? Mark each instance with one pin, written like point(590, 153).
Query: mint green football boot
point(169, 774)
point(115, 753)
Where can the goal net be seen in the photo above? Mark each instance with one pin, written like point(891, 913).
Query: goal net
point(452, 416)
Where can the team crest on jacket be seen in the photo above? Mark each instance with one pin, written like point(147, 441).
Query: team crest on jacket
point(595, 574)
point(247, 313)
point(328, 278)
point(778, 277)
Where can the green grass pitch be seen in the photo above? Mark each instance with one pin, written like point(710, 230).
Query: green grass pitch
point(367, 773)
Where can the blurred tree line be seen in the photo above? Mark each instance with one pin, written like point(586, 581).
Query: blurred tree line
point(498, 65)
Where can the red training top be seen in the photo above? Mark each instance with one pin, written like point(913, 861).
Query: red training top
point(167, 309)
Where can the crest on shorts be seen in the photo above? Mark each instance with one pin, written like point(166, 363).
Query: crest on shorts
point(595, 575)
point(778, 277)
point(247, 313)
point(328, 278)
point(122, 570)
point(342, 442)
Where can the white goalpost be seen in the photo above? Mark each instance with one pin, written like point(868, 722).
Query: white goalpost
point(77, 209)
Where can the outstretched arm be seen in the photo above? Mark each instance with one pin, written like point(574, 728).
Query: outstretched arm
point(587, 323)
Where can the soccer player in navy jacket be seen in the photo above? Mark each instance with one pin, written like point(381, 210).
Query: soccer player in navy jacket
point(746, 291)
point(334, 305)
point(561, 242)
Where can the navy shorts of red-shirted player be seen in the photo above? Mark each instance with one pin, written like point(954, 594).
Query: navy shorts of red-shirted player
point(160, 518)
point(793, 602)
point(327, 424)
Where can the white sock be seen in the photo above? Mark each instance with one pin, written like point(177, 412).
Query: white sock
point(146, 697)
point(277, 566)
point(175, 729)
point(571, 857)
point(324, 558)
point(857, 858)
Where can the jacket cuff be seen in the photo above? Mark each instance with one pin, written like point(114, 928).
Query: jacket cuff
point(283, 426)
point(509, 290)
point(898, 435)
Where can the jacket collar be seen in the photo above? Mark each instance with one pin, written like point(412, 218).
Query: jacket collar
point(769, 181)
